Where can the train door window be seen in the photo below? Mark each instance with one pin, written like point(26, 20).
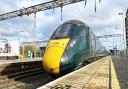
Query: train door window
point(75, 32)
point(82, 37)
point(75, 36)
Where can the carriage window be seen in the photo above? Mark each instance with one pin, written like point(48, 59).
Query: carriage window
point(63, 31)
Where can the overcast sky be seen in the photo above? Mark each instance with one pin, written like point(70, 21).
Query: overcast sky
point(103, 22)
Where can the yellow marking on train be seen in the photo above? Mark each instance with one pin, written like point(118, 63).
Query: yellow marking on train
point(114, 79)
point(53, 54)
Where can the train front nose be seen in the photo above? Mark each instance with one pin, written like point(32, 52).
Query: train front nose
point(53, 54)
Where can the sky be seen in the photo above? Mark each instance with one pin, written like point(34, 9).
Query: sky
point(104, 21)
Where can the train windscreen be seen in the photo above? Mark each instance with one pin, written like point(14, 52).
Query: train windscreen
point(63, 31)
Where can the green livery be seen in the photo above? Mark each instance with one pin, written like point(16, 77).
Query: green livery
point(81, 47)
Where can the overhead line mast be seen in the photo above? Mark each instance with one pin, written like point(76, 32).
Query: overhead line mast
point(37, 8)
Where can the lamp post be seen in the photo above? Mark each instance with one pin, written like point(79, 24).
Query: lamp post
point(19, 42)
point(118, 42)
point(122, 14)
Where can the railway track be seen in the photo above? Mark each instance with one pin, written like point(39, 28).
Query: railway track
point(10, 80)
point(17, 76)
point(23, 77)
point(30, 76)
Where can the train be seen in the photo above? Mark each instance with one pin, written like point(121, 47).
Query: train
point(71, 46)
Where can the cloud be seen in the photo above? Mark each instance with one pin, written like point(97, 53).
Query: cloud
point(104, 21)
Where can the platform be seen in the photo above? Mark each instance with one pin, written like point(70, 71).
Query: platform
point(3, 62)
point(106, 73)
point(7, 66)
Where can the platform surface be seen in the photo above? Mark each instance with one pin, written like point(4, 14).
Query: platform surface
point(19, 60)
point(106, 73)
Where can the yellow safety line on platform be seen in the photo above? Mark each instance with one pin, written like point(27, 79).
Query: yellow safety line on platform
point(114, 80)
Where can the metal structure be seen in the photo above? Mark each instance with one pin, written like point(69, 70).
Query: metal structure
point(126, 28)
point(112, 35)
point(122, 14)
point(43, 43)
point(117, 52)
point(38, 8)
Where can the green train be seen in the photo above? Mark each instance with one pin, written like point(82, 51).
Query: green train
point(70, 46)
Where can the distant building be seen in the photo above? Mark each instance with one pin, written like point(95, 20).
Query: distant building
point(35, 48)
point(8, 48)
point(126, 28)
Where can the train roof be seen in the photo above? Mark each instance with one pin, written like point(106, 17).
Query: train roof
point(75, 22)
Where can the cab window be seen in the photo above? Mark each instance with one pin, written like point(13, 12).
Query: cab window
point(63, 31)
